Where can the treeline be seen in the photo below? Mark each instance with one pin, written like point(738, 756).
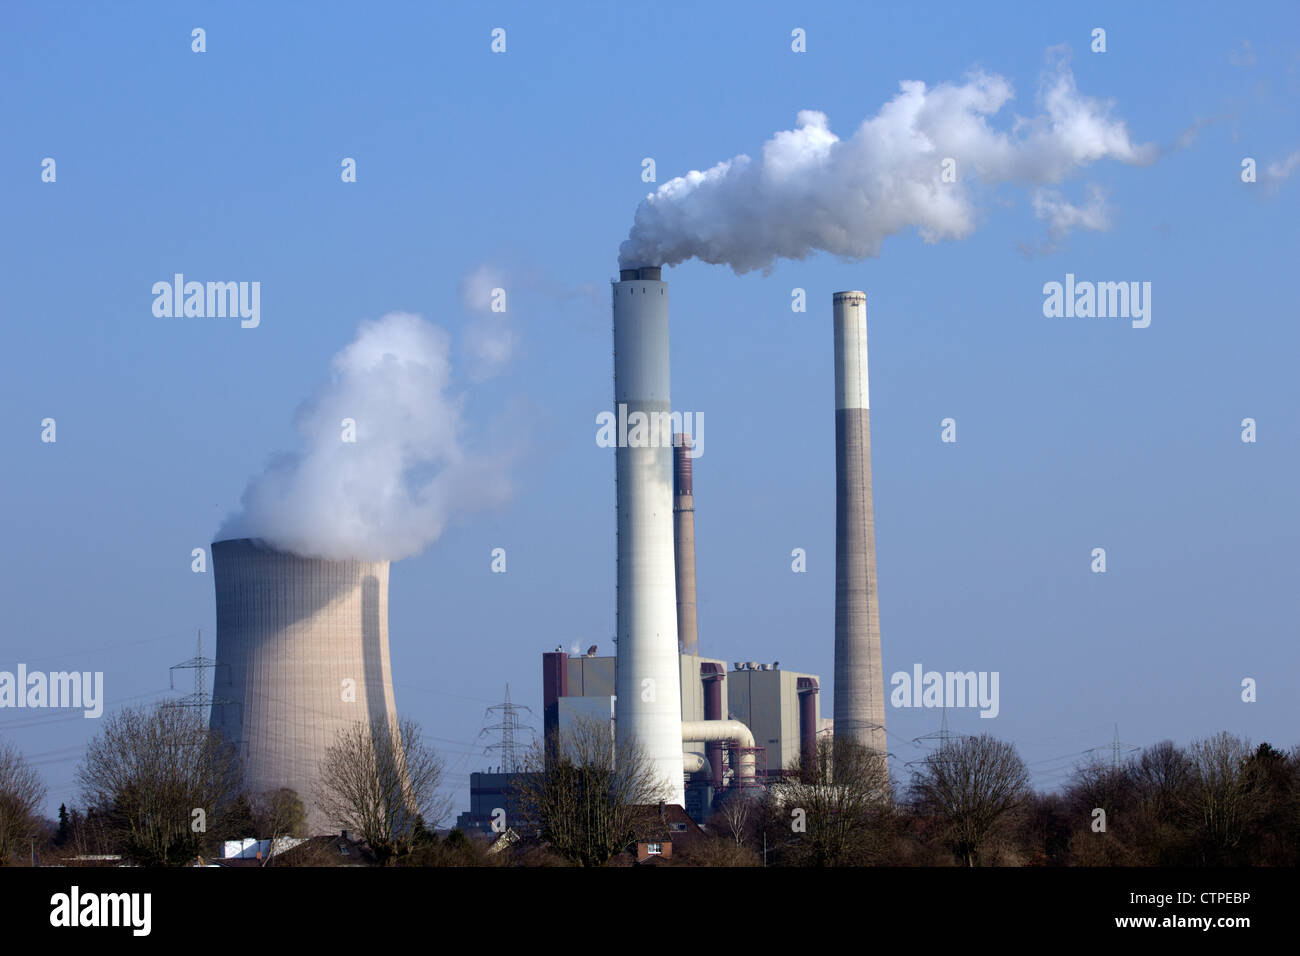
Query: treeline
point(1218, 802)
point(158, 788)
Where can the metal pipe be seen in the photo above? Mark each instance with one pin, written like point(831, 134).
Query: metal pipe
point(695, 762)
point(712, 675)
point(724, 730)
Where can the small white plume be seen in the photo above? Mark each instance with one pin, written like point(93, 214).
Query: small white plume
point(389, 493)
point(1062, 215)
point(489, 339)
point(810, 190)
point(1276, 173)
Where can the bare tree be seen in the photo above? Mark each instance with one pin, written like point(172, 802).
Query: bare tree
point(1159, 779)
point(738, 813)
point(1223, 798)
point(87, 835)
point(382, 784)
point(971, 785)
point(1273, 838)
point(1046, 825)
point(1097, 783)
point(588, 796)
point(715, 851)
point(278, 814)
point(1096, 840)
point(837, 805)
point(21, 793)
point(1160, 776)
point(160, 781)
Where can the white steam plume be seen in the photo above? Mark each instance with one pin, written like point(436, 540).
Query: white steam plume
point(489, 339)
point(1276, 173)
point(811, 190)
point(1061, 216)
point(389, 493)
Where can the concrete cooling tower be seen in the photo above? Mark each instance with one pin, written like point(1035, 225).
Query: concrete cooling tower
point(302, 651)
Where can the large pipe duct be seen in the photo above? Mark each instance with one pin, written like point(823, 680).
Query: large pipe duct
point(695, 762)
point(302, 653)
point(722, 731)
point(859, 688)
point(712, 675)
point(688, 632)
point(647, 677)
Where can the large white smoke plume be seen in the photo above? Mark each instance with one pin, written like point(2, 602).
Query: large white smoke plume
point(389, 493)
point(811, 190)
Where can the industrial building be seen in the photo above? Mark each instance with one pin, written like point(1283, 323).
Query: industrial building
point(302, 643)
point(779, 706)
point(766, 717)
point(488, 794)
point(708, 731)
point(704, 729)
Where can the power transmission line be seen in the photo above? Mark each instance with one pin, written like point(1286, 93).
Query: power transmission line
point(510, 727)
point(200, 665)
point(1116, 747)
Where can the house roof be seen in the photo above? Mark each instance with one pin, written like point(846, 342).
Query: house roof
point(328, 851)
point(674, 825)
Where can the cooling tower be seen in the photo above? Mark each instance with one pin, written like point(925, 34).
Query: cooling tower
point(688, 633)
point(646, 674)
point(859, 687)
point(302, 651)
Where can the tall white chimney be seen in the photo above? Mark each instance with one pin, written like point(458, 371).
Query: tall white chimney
point(647, 674)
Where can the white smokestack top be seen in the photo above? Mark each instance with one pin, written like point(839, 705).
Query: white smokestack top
point(647, 675)
point(852, 380)
point(811, 190)
point(387, 493)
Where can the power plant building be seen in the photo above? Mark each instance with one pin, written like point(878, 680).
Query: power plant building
point(302, 643)
point(780, 707)
point(493, 803)
point(710, 731)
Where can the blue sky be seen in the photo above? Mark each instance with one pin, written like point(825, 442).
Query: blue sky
point(1072, 433)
